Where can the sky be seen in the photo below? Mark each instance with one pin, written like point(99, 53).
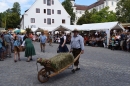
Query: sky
point(25, 4)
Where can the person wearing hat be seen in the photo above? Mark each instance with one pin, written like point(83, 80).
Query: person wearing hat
point(77, 47)
point(43, 39)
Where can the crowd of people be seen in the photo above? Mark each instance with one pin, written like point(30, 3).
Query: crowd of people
point(11, 43)
point(117, 41)
point(15, 43)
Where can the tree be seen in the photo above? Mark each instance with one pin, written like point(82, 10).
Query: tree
point(85, 19)
point(13, 20)
point(104, 15)
point(68, 7)
point(0, 19)
point(94, 16)
point(16, 8)
point(123, 11)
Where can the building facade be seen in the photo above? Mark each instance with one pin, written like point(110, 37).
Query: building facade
point(79, 10)
point(45, 13)
point(100, 4)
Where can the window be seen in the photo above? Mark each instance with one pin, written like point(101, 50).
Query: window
point(58, 11)
point(37, 10)
point(33, 26)
point(52, 11)
point(48, 2)
point(75, 18)
point(63, 21)
point(80, 12)
point(44, 20)
point(106, 3)
point(48, 11)
point(44, 10)
point(112, 3)
point(44, 1)
point(48, 20)
point(52, 2)
point(52, 20)
point(32, 20)
point(103, 5)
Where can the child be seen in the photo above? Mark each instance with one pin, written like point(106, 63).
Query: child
point(16, 49)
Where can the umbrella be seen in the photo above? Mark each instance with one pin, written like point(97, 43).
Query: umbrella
point(22, 31)
point(17, 31)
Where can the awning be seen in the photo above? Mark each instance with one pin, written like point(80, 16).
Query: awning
point(101, 26)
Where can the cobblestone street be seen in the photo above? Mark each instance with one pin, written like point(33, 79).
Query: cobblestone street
point(99, 67)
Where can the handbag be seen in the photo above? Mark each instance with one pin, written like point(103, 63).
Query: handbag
point(22, 48)
point(23, 44)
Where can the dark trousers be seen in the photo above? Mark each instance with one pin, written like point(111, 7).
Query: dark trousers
point(42, 45)
point(76, 52)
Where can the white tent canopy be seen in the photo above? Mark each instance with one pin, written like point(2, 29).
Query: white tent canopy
point(101, 26)
point(66, 27)
point(48, 28)
point(34, 29)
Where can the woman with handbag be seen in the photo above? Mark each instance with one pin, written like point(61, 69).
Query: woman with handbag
point(29, 48)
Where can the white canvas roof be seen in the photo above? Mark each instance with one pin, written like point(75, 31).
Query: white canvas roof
point(44, 28)
point(101, 26)
point(48, 28)
point(66, 27)
point(34, 29)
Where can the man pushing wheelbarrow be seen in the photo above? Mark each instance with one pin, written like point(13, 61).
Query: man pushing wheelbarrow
point(62, 61)
point(77, 47)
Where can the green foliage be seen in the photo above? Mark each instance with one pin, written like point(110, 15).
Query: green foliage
point(68, 7)
point(16, 8)
point(123, 11)
point(28, 30)
point(97, 16)
point(0, 19)
point(12, 20)
point(11, 17)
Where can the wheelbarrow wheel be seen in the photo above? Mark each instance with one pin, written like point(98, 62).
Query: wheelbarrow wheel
point(43, 75)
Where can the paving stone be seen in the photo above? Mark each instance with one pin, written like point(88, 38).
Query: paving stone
point(99, 67)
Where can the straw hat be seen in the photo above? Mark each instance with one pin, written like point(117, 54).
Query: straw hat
point(75, 30)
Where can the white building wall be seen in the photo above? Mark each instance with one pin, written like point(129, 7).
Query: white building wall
point(78, 14)
point(22, 24)
point(39, 17)
point(112, 4)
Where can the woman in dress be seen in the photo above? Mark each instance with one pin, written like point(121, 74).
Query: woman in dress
point(29, 48)
point(62, 46)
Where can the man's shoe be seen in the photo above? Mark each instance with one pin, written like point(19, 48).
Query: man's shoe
point(73, 71)
point(31, 59)
point(77, 69)
point(10, 56)
point(15, 60)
